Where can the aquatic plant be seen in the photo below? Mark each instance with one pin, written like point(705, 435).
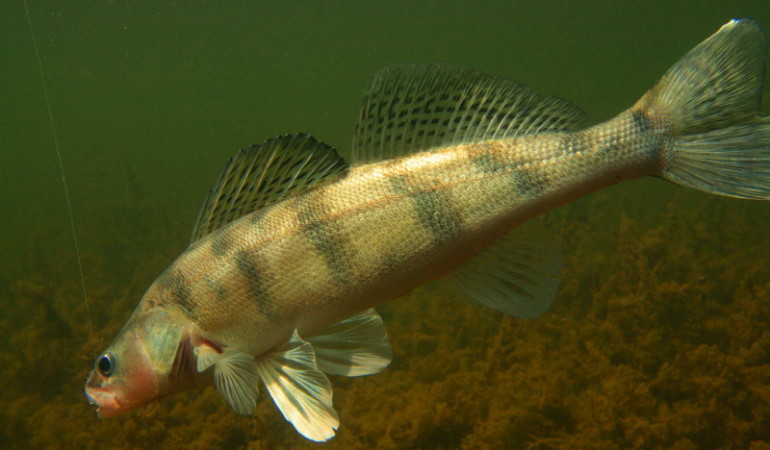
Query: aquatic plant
point(659, 337)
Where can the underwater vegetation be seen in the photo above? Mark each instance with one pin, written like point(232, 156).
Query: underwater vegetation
point(659, 337)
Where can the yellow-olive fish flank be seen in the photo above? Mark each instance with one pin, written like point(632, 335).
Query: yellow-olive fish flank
point(294, 246)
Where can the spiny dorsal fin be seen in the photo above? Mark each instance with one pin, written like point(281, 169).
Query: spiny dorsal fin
point(408, 109)
point(264, 174)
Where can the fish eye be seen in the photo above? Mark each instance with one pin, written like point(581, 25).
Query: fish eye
point(106, 364)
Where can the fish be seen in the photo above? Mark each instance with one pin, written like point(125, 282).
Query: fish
point(294, 247)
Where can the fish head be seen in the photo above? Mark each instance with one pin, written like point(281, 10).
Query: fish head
point(149, 359)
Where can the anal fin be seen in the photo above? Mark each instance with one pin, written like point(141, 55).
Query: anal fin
point(517, 275)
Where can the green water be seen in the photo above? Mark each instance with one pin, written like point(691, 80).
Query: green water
point(660, 336)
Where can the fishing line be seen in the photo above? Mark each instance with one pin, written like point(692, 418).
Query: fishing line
point(61, 168)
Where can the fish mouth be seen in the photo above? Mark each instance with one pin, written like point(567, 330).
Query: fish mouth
point(106, 402)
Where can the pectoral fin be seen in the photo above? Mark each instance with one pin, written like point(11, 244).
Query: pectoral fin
point(354, 347)
point(299, 389)
point(235, 376)
point(205, 356)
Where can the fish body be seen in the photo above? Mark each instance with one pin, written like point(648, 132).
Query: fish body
point(384, 228)
point(294, 247)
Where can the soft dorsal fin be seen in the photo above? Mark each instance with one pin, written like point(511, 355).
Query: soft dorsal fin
point(407, 109)
point(517, 275)
point(264, 174)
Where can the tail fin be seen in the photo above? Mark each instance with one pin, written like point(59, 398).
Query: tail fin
point(711, 100)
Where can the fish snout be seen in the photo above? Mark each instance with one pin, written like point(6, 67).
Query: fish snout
point(104, 398)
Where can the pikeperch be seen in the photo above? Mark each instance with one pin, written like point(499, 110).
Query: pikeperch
point(294, 247)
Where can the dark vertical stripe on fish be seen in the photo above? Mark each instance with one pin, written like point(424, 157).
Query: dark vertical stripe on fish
point(222, 241)
point(435, 210)
point(325, 236)
point(524, 182)
point(527, 183)
point(220, 293)
point(641, 121)
point(488, 162)
point(248, 263)
point(174, 283)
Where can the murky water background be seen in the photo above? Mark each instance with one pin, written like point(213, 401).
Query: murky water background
point(660, 335)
